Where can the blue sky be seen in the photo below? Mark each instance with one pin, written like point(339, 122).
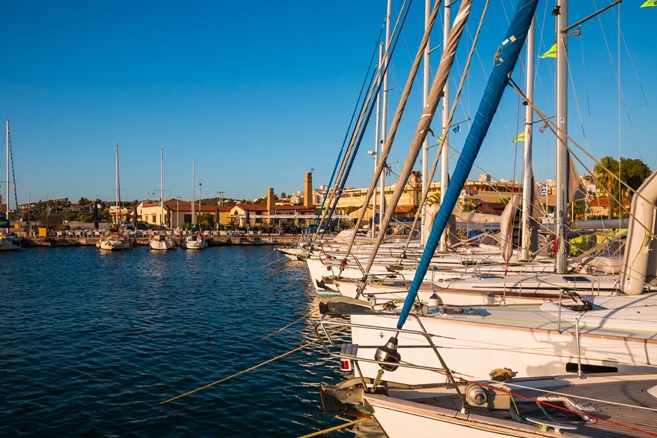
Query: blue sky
point(260, 92)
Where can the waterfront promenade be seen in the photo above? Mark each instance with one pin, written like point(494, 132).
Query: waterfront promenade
point(213, 240)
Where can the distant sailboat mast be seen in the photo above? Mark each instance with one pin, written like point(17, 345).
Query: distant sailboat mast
point(118, 194)
point(161, 186)
point(7, 173)
point(193, 190)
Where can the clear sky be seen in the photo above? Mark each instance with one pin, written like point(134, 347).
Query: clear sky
point(260, 92)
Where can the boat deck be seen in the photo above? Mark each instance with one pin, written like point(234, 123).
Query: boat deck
point(626, 409)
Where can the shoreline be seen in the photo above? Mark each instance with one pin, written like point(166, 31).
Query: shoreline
point(40, 242)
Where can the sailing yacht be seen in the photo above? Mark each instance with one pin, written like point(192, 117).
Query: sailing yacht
point(434, 375)
point(160, 241)
point(194, 241)
point(8, 241)
point(116, 242)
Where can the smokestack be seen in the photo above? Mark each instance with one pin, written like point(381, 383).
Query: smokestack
point(270, 203)
point(308, 190)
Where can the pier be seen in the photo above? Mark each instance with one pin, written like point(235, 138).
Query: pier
point(244, 240)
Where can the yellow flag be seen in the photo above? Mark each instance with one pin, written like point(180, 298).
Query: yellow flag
point(552, 53)
point(519, 137)
point(649, 3)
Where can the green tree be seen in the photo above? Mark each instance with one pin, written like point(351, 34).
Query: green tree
point(605, 180)
point(467, 207)
point(578, 208)
point(205, 220)
point(84, 202)
point(634, 172)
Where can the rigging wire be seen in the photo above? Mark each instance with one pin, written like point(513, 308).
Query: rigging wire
point(621, 95)
point(353, 115)
point(443, 140)
point(355, 143)
point(636, 74)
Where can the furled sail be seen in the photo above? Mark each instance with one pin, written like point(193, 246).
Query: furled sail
point(505, 60)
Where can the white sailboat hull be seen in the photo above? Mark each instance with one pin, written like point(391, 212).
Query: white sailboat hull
point(194, 244)
point(398, 421)
point(530, 341)
point(114, 245)
point(7, 244)
point(160, 245)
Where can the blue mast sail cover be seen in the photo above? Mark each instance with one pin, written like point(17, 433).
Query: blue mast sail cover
point(505, 60)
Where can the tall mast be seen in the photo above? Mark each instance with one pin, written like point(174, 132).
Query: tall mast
point(562, 131)
point(193, 191)
point(384, 115)
point(161, 186)
point(377, 136)
point(527, 185)
point(444, 157)
point(425, 150)
point(7, 173)
point(117, 184)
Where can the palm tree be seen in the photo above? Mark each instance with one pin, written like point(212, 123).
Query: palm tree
point(605, 180)
point(433, 198)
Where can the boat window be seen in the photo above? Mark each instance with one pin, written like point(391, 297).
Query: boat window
point(571, 367)
point(576, 278)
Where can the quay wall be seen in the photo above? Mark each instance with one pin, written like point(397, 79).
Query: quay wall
point(142, 241)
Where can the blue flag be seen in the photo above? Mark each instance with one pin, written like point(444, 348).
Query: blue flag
point(457, 129)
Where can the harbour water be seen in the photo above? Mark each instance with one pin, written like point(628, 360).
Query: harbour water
point(92, 342)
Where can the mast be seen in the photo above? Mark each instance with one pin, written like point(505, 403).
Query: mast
point(444, 157)
point(7, 172)
point(161, 186)
point(527, 185)
point(376, 137)
point(384, 110)
point(510, 47)
point(117, 185)
point(193, 191)
point(425, 95)
point(562, 130)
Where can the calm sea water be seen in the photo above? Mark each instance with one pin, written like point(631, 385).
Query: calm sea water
point(91, 342)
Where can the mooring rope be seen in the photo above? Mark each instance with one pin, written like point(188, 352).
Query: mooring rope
point(334, 428)
point(308, 344)
point(311, 313)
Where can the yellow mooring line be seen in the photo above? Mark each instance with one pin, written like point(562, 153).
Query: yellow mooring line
point(308, 344)
point(307, 315)
point(332, 429)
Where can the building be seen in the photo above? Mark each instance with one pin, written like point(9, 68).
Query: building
point(176, 212)
point(599, 207)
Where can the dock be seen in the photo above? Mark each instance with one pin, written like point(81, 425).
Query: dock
point(262, 240)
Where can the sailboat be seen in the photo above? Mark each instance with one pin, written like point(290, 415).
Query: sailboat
point(116, 242)
point(8, 241)
point(471, 347)
point(160, 241)
point(195, 240)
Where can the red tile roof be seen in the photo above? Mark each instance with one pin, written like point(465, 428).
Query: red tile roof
point(298, 208)
point(604, 202)
point(251, 207)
